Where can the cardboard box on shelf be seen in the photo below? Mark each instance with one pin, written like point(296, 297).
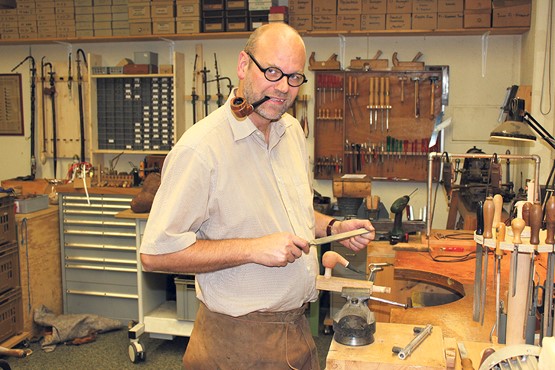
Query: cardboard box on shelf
point(163, 26)
point(477, 4)
point(187, 25)
point(324, 7)
point(374, 7)
point(348, 22)
point(298, 7)
point(399, 6)
point(424, 6)
point(369, 22)
point(302, 22)
point(447, 21)
point(324, 22)
point(511, 13)
point(398, 21)
point(477, 19)
point(352, 7)
point(424, 21)
point(450, 6)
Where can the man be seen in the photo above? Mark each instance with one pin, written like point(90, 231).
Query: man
point(235, 207)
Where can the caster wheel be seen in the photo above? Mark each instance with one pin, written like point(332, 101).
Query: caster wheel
point(136, 352)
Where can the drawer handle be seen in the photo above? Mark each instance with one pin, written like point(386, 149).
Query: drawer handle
point(102, 294)
point(100, 268)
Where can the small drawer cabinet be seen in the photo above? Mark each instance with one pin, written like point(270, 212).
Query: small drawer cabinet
point(99, 263)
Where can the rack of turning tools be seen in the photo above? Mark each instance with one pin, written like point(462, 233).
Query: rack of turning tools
point(377, 123)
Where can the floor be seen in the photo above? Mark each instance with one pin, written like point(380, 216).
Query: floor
point(110, 351)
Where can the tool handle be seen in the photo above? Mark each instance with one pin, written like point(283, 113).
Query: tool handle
point(526, 212)
point(536, 216)
point(489, 208)
point(517, 224)
point(371, 93)
point(467, 364)
point(550, 220)
point(387, 91)
point(500, 237)
point(382, 91)
point(498, 208)
point(480, 218)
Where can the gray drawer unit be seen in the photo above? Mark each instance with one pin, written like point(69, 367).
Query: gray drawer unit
point(358, 261)
point(99, 260)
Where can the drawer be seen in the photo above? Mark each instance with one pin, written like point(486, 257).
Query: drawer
point(116, 275)
point(108, 256)
point(99, 289)
point(123, 309)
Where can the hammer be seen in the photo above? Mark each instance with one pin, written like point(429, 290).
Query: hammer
point(433, 80)
point(416, 97)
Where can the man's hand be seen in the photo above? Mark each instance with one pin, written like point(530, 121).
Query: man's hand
point(359, 242)
point(279, 249)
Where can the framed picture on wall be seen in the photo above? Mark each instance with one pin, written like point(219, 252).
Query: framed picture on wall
point(11, 105)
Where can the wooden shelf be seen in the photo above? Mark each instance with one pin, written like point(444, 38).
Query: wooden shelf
point(148, 75)
point(240, 35)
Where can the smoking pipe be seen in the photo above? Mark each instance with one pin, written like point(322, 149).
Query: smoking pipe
point(241, 108)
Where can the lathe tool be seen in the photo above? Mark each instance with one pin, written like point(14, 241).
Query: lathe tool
point(479, 259)
point(517, 225)
point(382, 97)
point(402, 79)
point(488, 234)
point(376, 100)
point(499, 237)
point(371, 99)
point(387, 106)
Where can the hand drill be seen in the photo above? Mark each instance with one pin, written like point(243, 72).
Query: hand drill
point(397, 234)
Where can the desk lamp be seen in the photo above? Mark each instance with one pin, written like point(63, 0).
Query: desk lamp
point(517, 127)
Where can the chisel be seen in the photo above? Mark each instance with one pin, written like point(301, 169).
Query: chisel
point(488, 234)
point(499, 237)
point(517, 225)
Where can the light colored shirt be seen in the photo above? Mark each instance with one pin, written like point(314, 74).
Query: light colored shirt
point(223, 181)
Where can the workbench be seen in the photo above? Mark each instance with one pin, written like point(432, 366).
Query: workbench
point(412, 264)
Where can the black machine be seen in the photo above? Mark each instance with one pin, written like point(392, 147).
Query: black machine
point(481, 177)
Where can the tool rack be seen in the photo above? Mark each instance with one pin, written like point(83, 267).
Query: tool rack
point(377, 123)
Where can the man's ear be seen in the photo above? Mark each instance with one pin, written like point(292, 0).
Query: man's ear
point(242, 65)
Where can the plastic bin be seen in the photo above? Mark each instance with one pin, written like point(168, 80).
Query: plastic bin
point(7, 219)
point(187, 302)
point(11, 314)
point(9, 267)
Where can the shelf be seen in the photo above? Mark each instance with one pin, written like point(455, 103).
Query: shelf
point(120, 151)
point(147, 75)
point(241, 35)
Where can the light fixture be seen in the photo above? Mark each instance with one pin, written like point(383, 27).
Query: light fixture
point(520, 124)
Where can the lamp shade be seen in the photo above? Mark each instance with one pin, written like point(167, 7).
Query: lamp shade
point(513, 130)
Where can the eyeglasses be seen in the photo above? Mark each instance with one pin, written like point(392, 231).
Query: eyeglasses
point(274, 74)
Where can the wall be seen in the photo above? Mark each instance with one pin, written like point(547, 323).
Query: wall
point(481, 68)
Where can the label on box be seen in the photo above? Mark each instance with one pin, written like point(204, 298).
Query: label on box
point(324, 22)
point(348, 22)
point(398, 21)
point(477, 19)
point(374, 7)
point(298, 7)
point(424, 6)
point(449, 20)
point(399, 7)
point(424, 21)
point(477, 4)
point(450, 6)
point(321, 7)
point(349, 7)
point(301, 21)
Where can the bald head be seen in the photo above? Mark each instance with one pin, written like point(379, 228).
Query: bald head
point(276, 36)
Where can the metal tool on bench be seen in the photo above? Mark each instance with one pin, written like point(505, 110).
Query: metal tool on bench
point(479, 259)
point(405, 352)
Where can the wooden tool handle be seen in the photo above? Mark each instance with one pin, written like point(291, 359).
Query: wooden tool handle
point(526, 212)
point(550, 220)
point(498, 208)
point(371, 93)
point(382, 91)
point(467, 364)
point(499, 237)
point(536, 215)
point(488, 217)
point(517, 224)
point(387, 91)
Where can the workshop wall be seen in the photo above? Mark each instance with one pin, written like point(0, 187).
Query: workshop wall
point(479, 75)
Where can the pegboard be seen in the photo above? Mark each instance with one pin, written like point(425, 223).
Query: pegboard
point(377, 123)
